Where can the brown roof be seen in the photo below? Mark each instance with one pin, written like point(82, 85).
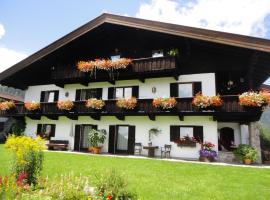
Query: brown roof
point(173, 29)
point(11, 97)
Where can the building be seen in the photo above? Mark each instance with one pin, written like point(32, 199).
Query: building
point(208, 61)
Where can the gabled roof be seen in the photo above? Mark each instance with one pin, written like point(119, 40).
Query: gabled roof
point(173, 29)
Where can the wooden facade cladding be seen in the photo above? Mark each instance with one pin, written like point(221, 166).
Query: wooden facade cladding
point(230, 110)
point(139, 69)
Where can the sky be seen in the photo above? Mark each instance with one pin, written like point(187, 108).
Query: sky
point(29, 25)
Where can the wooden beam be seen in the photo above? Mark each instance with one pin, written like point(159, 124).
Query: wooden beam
point(61, 85)
point(95, 117)
point(142, 79)
point(111, 82)
point(181, 117)
point(120, 117)
point(84, 83)
point(152, 117)
point(72, 117)
point(52, 117)
point(34, 117)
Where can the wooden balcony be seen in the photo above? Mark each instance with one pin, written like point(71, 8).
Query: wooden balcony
point(230, 111)
point(139, 69)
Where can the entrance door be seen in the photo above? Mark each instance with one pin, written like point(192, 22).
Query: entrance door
point(121, 139)
point(81, 136)
point(226, 138)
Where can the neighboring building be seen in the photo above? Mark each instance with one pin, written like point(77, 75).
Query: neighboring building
point(265, 88)
point(208, 61)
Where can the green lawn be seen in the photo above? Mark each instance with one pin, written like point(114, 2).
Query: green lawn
point(154, 179)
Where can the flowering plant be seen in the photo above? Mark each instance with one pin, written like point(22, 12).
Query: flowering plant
point(207, 151)
point(129, 103)
point(203, 101)
point(254, 99)
point(65, 105)
point(186, 141)
point(164, 103)
point(32, 105)
point(105, 64)
point(7, 105)
point(95, 103)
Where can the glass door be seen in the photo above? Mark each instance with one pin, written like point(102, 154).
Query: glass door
point(122, 139)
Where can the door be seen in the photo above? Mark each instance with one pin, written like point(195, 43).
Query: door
point(226, 138)
point(121, 139)
point(81, 136)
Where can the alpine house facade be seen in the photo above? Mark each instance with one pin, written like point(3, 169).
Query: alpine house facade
point(167, 60)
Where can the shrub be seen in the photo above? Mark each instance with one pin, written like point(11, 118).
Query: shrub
point(96, 137)
point(245, 151)
point(18, 128)
point(28, 156)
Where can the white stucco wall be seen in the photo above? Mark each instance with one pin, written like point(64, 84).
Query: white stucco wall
point(143, 124)
point(145, 89)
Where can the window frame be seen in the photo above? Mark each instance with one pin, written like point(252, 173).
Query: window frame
point(192, 85)
point(42, 133)
point(123, 88)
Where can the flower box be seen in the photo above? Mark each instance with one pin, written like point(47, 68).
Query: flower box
point(32, 106)
point(207, 103)
point(94, 103)
point(128, 104)
point(164, 103)
point(65, 105)
point(254, 99)
point(7, 105)
point(186, 142)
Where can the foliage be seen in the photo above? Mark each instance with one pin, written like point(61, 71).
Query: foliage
point(112, 185)
point(203, 101)
point(95, 103)
point(153, 132)
point(97, 137)
point(32, 105)
point(65, 105)
point(164, 103)
point(7, 105)
point(104, 64)
point(245, 151)
point(173, 52)
point(186, 140)
point(254, 99)
point(129, 103)
point(28, 156)
point(18, 127)
point(207, 150)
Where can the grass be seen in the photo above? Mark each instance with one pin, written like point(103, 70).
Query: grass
point(155, 179)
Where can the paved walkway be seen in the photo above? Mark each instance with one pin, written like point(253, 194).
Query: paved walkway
point(165, 159)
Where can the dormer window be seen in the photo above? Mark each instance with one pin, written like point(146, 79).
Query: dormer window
point(157, 53)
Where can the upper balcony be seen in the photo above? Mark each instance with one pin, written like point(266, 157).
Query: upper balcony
point(230, 111)
point(139, 69)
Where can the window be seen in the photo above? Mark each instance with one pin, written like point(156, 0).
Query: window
point(185, 90)
point(46, 130)
point(115, 57)
point(157, 53)
point(177, 132)
point(84, 94)
point(125, 92)
point(186, 131)
point(49, 96)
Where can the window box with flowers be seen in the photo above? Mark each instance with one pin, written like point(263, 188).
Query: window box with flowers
point(207, 154)
point(127, 103)
point(164, 103)
point(254, 100)
point(32, 106)
point(95, 103)
point(186, 142)
point(65, 105)
point(7, 106)
point(207, 102)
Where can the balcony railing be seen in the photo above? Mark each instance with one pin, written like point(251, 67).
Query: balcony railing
point(145, 67)
point(184, 107)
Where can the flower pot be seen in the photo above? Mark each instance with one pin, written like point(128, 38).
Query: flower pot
point(252, 109)
point(96, 150)
point(247, 161)
point(206, 159)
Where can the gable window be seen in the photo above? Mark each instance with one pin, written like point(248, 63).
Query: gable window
point(84, 94)
point(185, 89)
point(49, 96)
point(46, 130)
point(123, 92)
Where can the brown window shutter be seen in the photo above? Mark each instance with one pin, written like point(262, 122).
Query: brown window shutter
point(112, 132)
point(42, 96)
point(111, 93)
point(78, 95)
point(52, 133)
point(56, 95)
point(39, 129)
point(197, 87)
point(135, 91)
point(198, 133)
point(77, 137)
point(174, 133)
point(131, 139)
point(174, 89)
point(99, 93)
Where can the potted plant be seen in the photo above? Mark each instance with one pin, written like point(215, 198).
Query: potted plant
point(31, 106)
point(254, 100)
point(95, 103)
point(246, 153)
point(7, 105)
point(164, 103)
point(207, 154)
point(128, 103)
point(96, 138)
point(152, 133)
point(207, 102)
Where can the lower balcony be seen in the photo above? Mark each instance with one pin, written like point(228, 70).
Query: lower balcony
point(230, 111)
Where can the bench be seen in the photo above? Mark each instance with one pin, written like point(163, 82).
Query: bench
point(58, 145)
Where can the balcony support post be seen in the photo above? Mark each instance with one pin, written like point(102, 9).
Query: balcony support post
point(254, 139)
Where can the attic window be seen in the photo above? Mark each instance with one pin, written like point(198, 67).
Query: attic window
point(157, 53)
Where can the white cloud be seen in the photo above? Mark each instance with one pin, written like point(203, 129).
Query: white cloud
point(2, 31)
point(237, 16)
point(8, 57)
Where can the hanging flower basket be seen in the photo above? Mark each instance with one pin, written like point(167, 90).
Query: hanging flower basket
point(65, 105)
point(254, 100)
point(31, 106)
point(128, 104)
point(95, 103)
point(207, 102)
point(7, 105)
point(164, 103)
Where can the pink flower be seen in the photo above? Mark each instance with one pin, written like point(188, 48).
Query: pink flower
point(22, 176)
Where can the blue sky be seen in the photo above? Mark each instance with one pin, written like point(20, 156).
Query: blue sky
point(29, 25)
